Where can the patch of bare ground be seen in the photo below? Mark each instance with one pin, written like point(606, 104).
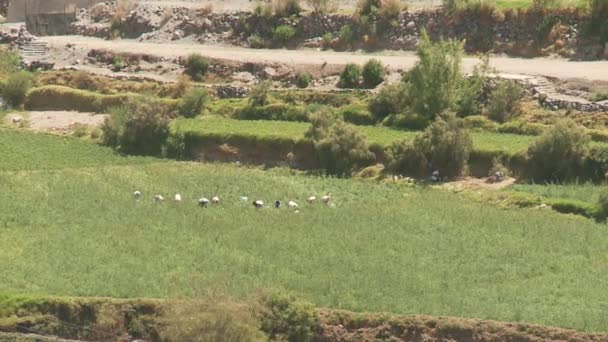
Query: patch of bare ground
point(58, 121)
point(346, 326)
point(581, 87)
point(486, 183)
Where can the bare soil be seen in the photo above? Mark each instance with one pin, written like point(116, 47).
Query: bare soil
point(62, 121)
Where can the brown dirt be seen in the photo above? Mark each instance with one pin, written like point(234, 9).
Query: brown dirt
point(470, 183)
point(59, 120)
point(581, 87)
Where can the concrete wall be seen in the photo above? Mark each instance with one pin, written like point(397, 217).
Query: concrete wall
point(49, 24)
point(17, 9)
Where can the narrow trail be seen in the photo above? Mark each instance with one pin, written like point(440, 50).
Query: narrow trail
point(558, 68)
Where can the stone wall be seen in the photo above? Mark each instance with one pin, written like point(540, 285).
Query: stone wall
point(49, 24)
point(17, 9)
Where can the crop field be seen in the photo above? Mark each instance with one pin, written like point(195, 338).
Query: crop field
point(384, 247)
point(213, 126)
point(586, 192)
point(504, 4)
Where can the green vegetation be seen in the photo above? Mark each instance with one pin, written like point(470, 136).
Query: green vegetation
point(350, 76)
point(373, 73)
point(287, 8)
point(494, 263)
point(14, 89)
point(193, 103)
point(303, 80)
point(504, 102)
point(196, 66)
point(283, 34)
point(585, 192)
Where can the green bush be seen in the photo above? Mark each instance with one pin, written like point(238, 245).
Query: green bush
point(340, 148)
point(373, 73)
point(522, 127)
point(15, 87)
point(403, 158)
point(367, 7)
point(346, 35)
point(303, 80)
point(407, 120)
point(559, 153)
point(196, 66)
point(283, 34)
point(498, 166)
point(277, 111)
point(140, 126)
point(599, 96)
point(392, 99)
point(446, 145)
point(471, 90)
point(328, 37)
point(598, 23)
point(569, 206)
point(256, 41)
point(436, 78)
point(350, 76)
point(357, 116)
point(479, 123)
point(602, 204)
point(504, 102)
point(260, 94)
point(193, 103)
point(287, 319)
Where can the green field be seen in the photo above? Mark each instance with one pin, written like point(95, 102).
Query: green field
point(72, 228)
point(504, 4)
point(383, 136)
point(586, 192)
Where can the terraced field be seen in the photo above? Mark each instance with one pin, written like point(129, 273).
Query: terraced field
point(71, 227)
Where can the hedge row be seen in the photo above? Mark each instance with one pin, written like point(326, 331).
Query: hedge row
point(55, 97)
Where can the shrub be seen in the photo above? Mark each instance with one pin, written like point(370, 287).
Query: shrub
point(498, 166)
point(328, 37)
point(373, 73)
point(479, 123)
point(407, 120)
point(263, 10)
point(346, 35)
point(504, 102)
point(213, 318)
point(390, 9)
point(340, 148)
point(15, 87)
point(522, 127)
point(357, 116)
point(196, 66)
point(471, 89)
point(559, 153)
point(391, 99)
point(303, 80)
point(118, 63)
point(286, 8)
point(256, 41)
point(287, 319)
point(350, 76)
point(140, 126)
point(283, 34)
point(436, 77)
point(260, 94)
point(278, 111)
point(193, 103)
point(602, 203)
point(403, 158)
point(446, 145)
point(598, 23)
point(599, 96)
point(367, 7)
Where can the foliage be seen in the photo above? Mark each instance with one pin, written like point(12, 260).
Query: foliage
point(288, 319)
point(275, 111)
point(446, 145)
point(346, 35)
point(602, 203)
point(231, 246)
point(598, 23)
point(260, 94)
point(391, 99)
point(256, 41)
point(350, 76)
point(471, 89)
point(286, 8)
point(340, 148)
point(373, 73)
point(479, 123)
point(498, 166)
point(193, 103)
point(283, 34)
point(303, 80)
point(118, 63)
point(357, 115)
point(367, 7)
point(558, 154)
point(140, 127)
point(390, 9)
point(212, 318)
point(436, 77)
point(262, 9)
point(15, 88)
point(504, 102)
point(196, 66)
point(10, 62)
point(599, 96)
point(327, 37)
point(404, 158)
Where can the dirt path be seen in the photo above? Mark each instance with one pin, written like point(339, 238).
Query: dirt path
point(558, 68)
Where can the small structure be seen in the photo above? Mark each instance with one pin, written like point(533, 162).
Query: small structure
point(46, 17)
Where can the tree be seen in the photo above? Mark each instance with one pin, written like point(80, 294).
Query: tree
point(559, 153)
point(373, 73)
point(504, 101)
point(196, 66)
point(446, 145)
point(350, 76)
point(436, 77)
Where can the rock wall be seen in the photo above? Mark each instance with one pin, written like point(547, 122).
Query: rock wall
point(17, 9)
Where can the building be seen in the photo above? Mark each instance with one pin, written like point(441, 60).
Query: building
point(18, 9)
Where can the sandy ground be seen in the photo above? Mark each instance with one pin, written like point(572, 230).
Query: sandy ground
point(57, 120)
point(558, 68)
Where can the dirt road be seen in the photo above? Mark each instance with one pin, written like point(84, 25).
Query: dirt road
point(559, 68)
